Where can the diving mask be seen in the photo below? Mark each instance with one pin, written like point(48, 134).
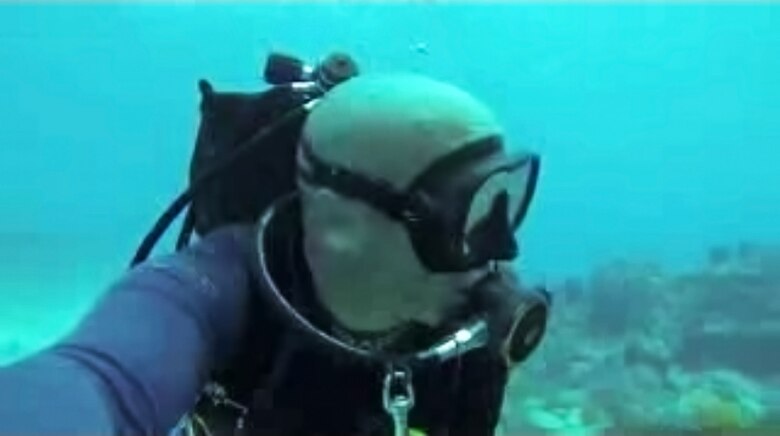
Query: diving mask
point(461, 213)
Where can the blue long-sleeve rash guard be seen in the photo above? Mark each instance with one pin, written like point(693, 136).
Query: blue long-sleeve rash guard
point(138, 361)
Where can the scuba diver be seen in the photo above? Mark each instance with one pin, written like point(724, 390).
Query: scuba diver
point(350, 275)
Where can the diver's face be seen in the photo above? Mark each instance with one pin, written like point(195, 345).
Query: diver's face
point(366, 271)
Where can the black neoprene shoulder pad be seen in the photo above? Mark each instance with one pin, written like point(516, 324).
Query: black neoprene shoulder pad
point(229, 120)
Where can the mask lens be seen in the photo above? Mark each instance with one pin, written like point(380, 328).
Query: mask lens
point(517, 180)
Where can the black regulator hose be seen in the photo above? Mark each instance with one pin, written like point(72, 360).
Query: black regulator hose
point(186, 230)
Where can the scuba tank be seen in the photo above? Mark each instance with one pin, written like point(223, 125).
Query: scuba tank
point(244, 155)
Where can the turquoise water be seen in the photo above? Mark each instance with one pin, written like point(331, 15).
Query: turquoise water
point(657, 125)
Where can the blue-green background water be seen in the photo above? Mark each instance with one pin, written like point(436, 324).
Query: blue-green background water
point(658, 125)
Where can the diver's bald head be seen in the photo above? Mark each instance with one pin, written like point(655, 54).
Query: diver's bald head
point(390, 127)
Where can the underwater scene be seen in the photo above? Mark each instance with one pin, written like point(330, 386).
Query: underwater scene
point(655, 225)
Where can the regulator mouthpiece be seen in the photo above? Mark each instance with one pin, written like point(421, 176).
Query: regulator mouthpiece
point(511, 323)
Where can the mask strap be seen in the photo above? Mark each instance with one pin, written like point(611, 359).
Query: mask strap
point(380, 194)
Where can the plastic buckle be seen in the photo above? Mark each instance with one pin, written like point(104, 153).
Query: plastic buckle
point(398, 397)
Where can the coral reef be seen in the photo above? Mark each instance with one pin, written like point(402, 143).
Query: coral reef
point(635, 347)
point(721, 400)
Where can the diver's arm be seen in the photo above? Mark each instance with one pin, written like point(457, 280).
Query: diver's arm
point(139, 359)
